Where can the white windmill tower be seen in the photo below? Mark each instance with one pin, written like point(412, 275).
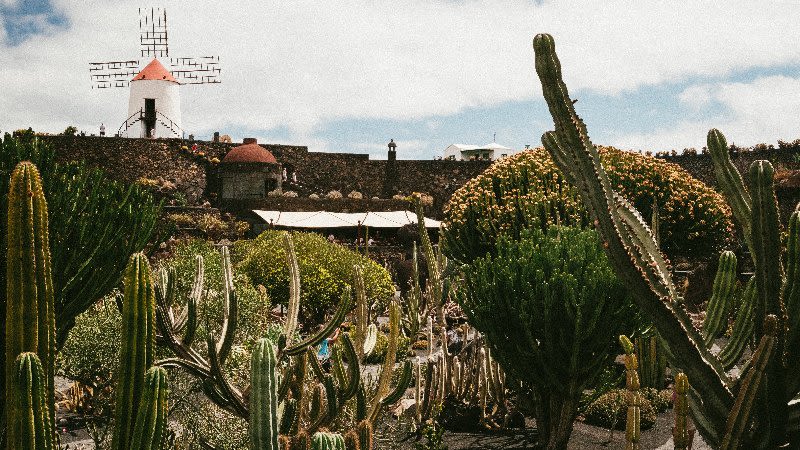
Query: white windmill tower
point(154, 107)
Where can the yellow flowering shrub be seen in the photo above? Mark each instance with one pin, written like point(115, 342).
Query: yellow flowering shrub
point(527, 190)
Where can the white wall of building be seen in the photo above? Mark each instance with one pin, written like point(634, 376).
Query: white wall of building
point(168, 103)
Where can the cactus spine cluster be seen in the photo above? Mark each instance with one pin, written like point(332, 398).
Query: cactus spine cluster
point(633, 399)
point(30, 323)
point(34, 431)
point(681, 435)
point(754, 410)
point(136, 355)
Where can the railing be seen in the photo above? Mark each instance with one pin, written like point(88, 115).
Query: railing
point(165, 121)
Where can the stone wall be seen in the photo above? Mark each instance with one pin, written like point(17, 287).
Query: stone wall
point(197, 174)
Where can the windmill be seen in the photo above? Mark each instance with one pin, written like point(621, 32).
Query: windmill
point(154, 108)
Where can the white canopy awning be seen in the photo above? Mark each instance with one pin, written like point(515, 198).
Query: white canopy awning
point(325, 219)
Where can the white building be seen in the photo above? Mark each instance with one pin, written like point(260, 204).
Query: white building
point(465, 152)
point(154, 108)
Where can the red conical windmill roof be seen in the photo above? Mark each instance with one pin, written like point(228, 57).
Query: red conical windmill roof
point(155, 71)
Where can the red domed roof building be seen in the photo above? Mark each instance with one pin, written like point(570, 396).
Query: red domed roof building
point(249, 172)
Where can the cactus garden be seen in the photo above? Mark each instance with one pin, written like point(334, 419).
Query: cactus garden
point(549, 310)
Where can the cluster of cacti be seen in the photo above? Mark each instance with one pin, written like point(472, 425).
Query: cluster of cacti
point(30, 333)
point(29, 314)
point(633, 399)
point(756, 410)
point(472, 377)
point(281, 412)
point(681, 434)
point(419, 303)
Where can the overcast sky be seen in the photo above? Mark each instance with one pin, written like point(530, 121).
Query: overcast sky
point(349, 75)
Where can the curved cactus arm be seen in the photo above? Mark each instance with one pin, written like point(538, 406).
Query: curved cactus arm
point(371, 339)
point(316, 367)
point(327, 329)
point(348, 385)
point(730, 180)
point(288, 416)
point(221, 382)
point(195, 297)
point(742, 412)
point(742, 328)
point(402, 384)
point(229, 311)
point(151, 421)
point(388, 363)
point(578, 159)
point(721, 301)
point(293, 310)
point(362, 312)
point(196, 370)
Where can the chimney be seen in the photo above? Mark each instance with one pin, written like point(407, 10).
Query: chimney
point(250, 141)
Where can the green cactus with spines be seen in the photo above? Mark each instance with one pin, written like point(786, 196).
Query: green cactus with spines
point(327, 441)
point(32, 427)
point(151, 420)
point(681, 435)
point(29, 315)
point(652, 361)
point(264, 397)
point(719, 412)
point(633, 419)
point(136, 355)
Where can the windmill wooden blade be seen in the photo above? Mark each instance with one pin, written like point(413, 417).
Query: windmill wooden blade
point(153, 33)
point(111, 74)
point(199, 70)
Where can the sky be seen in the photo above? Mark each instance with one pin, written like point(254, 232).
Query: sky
point(348, 75)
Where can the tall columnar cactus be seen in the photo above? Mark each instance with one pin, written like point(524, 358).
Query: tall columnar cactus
point(29, 315)
point(327, 441)
point(31, 425)
point(364, 429)
point(264, 397)
point(633, 399)
point(652, 361)
point(151, 419)
point(136, 355)
point(681, 435)
point(769, 383)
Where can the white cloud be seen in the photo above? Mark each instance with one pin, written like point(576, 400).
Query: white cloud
point(696, 97)
point(302, 64)
point(761, 111)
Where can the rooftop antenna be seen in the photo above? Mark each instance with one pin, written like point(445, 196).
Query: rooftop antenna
point(494, 137)
point(154, 43)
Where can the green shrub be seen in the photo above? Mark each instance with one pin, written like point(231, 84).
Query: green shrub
point(527, 191)
point(661, 400)
point(325, 270)
point(551, 309)
point(610, 410)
